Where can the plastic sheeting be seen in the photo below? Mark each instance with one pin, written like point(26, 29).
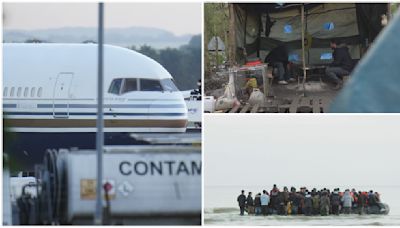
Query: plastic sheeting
point(215, 42)
point(261, 27)
point(341, 16)
point(375, 83)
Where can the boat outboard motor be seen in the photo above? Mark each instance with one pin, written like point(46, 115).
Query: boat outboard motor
point(382, 209)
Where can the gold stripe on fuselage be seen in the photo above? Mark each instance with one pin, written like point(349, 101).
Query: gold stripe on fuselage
point(82, 123)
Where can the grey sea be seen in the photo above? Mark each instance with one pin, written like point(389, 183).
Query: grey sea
point(221, 209)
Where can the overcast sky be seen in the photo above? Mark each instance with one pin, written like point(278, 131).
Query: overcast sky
point(178, 18)
point(313, 150)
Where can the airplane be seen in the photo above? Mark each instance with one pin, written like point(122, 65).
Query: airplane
point(50, 97)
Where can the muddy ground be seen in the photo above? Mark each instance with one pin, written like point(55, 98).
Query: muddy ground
point(282, 94)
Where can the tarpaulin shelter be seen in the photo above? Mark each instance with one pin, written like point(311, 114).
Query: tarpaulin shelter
point(257, 28)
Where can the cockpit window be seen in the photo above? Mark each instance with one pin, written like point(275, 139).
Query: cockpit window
point(115, 86)
point(130, 84)
point(150, 85)
point(168, 85)
point(124, 85)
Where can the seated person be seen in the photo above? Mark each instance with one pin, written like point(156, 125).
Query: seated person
point(342, 63)
point(278, 58)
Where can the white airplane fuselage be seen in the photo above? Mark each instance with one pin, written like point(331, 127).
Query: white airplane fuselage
point(51, 89)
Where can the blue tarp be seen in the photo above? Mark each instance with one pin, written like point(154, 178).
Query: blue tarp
point(329, 26)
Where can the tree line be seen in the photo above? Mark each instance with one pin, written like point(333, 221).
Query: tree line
point(216, 23)
point(183, 63)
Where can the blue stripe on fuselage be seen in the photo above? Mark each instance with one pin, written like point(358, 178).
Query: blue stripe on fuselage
point(9, 105)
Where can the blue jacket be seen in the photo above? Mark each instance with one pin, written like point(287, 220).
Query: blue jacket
point(264, 199)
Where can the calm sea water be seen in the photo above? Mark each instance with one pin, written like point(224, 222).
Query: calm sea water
point(221, 209)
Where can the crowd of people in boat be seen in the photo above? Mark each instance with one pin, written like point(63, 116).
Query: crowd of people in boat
point(315, 202)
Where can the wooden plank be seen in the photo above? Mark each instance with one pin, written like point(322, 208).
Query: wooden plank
point(255, 108)
point(316, 107)
point(271, 106)
point(234, 109)
point(274, 103)
point(294, 105)
point(325, 105)
point(305, 101)
point(245, 108)
point(283, 108)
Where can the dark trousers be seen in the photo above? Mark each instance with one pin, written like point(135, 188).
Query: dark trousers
point(307, 211)
point(324, 210)
point(282, 70)
point(282, 209)
point(295, 209)
point(242, 210)
point(335, 72)
point(335, 209)
point(264, 209)
point(258, 210)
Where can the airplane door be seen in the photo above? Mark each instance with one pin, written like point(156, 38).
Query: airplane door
point(61, 95)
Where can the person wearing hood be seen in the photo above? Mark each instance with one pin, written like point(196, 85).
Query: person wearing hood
point(274, 193)
point(335, 202)
point(242, 202)
point(281, 204)
point(325, 204)
point(285, 195)
point(342, 63)
point(362, 202)
point(316, 202)
point(250, 204)
point(308, 204)
point(257, 204)
point(354, 194)
point(294, 200)
point(347, 200)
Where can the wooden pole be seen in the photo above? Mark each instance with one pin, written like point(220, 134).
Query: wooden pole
point(303, 49)
point(259, 36)
point(226, 30)
point(216, 47)
point(245, 31)
point(232, 36)
point(206, 39)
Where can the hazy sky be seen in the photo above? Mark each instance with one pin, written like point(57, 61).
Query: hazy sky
point(313, 150)
point(179, 18)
